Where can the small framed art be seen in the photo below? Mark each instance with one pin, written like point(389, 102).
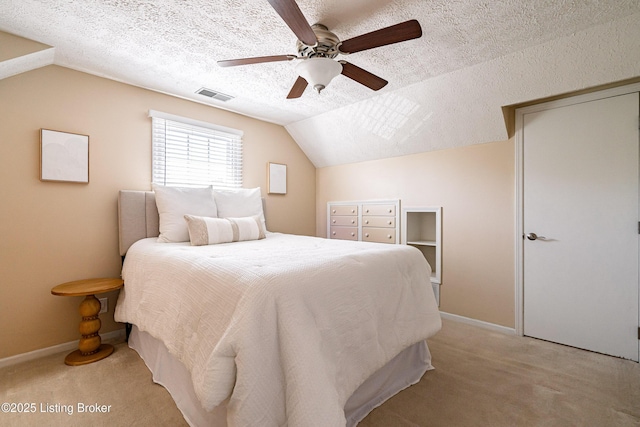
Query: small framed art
point(64, 157)
point(277, 178)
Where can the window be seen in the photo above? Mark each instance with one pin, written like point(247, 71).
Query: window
point(190, 153)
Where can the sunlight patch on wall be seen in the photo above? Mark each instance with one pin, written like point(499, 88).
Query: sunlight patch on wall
point(384, 115)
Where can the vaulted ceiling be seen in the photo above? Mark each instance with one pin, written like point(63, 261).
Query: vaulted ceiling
point(473, 56)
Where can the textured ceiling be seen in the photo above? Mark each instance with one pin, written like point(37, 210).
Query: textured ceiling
point(172, 46)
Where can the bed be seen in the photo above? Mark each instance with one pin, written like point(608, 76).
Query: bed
point(274, 330)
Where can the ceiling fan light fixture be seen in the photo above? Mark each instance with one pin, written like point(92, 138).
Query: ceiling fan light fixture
point(319, 71)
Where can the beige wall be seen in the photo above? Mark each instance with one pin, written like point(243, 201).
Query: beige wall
point(51, 233)
point(475, 187)
point(12, 46)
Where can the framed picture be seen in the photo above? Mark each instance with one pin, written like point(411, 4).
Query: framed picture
point(277, 178)
point(64, 156)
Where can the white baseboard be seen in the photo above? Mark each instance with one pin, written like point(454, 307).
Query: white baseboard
point(479, 323)
point(120, 335)
point(117, 335)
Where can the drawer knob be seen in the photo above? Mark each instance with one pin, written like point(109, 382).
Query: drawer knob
point(390, 222)
point(353, 221)
point(334, 211)
point(366, 235)
point(353, 234)
point(390, 210)
point(389, 236)
point(366, 222)
point(334, 221)
point(334, 233)
point(353, 211)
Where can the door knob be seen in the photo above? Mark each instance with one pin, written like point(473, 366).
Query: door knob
point(534, 236)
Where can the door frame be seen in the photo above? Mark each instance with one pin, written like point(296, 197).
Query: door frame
point(519, 187)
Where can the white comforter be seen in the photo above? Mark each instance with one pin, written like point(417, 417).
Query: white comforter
point(287, 327)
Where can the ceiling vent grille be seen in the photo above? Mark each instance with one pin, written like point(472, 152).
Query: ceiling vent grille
point(214, 94)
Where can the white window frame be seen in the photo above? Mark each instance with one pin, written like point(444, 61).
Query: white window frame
point(192, 153)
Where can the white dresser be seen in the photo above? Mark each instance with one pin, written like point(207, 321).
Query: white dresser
point(368, 220)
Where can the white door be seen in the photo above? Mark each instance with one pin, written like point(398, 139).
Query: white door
point(580, 195)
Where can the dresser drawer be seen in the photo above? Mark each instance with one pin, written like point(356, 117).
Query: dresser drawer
point(344, 220)
point(379, 221)
point(344, 233)
point(343, 210)
point(380, 235)
point(379, 210)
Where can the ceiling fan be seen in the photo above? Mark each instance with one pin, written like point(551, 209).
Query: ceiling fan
point(317, 47)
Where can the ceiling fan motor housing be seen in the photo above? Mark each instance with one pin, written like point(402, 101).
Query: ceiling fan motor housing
point(327, 46)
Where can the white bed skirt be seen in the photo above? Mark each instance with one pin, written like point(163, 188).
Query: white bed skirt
point(402, 371)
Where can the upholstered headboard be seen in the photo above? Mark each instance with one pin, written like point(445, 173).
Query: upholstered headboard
point(138, 217)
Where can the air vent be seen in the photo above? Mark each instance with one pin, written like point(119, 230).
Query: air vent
point(214, 94)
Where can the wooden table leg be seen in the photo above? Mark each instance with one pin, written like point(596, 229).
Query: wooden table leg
point(90, 348)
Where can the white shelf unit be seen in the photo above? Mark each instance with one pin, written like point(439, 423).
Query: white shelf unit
point(422, 228)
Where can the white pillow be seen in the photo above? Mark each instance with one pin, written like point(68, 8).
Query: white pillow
point(239, 203)
point(211, 231)
point(176, 202)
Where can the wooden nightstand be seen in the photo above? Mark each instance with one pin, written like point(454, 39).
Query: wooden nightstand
point(90, 348)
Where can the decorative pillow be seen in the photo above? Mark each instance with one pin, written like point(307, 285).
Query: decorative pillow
point(239, 203)
point(174, 203)
point(211, 231)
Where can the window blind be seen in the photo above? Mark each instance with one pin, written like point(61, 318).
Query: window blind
point(188, 153)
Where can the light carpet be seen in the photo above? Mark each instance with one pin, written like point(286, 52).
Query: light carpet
point(482, 378)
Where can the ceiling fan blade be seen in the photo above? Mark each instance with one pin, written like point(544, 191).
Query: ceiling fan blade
point(396, 33)
point(255, 60)
point(293, 17)
point(298, 88)
point(362, 76)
